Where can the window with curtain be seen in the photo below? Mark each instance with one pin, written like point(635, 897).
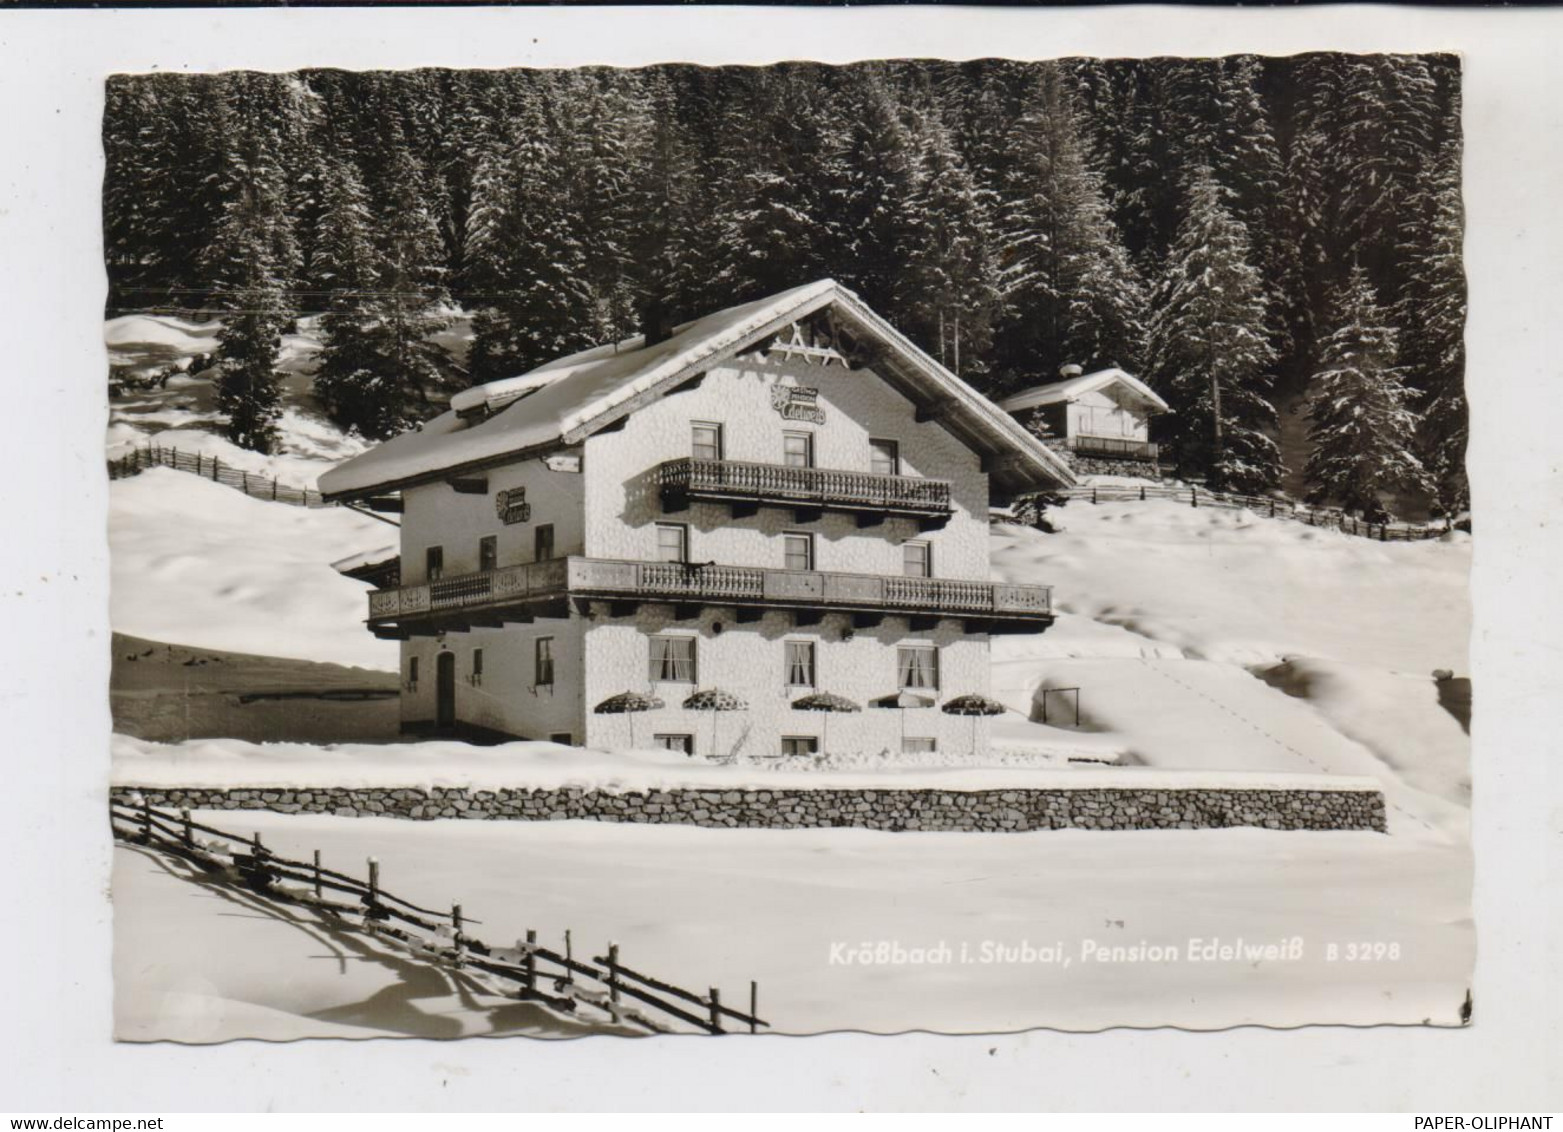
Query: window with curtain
point(917, 559)
point(798, 449)
point(543, 543)
point(798, 551)
point(705, 440)
point(794, 745)
point(800, 664)
point(543, 662)
point(673, 660)
point(884, 457)
point(918, 666)
point(477, 666)
point(433, 563)
point(672, 542)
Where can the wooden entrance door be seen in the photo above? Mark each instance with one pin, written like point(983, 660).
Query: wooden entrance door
point(445, 691)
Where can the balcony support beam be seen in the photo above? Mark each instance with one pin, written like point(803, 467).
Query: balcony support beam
point(806, 617)
point(749, 614)
point(867, 519)
point(742, 509)
point(867, 620)
point(807, 514)
point(921, 624)
point(686, 611)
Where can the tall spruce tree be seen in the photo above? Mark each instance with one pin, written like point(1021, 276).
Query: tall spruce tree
point(1360, 422)
point(253, 259)
point(1070, 293)
point(1210, 349)
point(1432, 346)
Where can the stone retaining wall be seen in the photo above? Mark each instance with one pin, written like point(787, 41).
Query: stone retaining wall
point(902, 809)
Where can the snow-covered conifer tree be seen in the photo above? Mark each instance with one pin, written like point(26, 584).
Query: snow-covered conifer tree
point(1210, 349)
point(1361, 426)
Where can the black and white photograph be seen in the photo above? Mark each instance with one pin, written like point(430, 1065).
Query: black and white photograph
point(962, 546)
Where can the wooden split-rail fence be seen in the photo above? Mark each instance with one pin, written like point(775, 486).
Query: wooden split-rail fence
point(1270, 506)
point(138, 460)
point(528, 971)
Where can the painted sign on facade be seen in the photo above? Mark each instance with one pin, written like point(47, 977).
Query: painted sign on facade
point(512, 506)
point(797, 403)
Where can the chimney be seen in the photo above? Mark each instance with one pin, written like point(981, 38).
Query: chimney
point(1070, 370)
point(656, 322)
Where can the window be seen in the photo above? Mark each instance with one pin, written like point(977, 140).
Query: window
point(910, 746)
point(672, 542)
point(795, 745)
point(543, 662)
point(477, 666)
point(884, 457)
point(798, 551)
point(412, 674)
point(673, 660)
point(433, 563)
point(917, 559)
point(798, 449)
point(488, 553)
point(705, 440)
point(563, 738)
point(543, 543)
point(917, 666)
point(800, 664)
point(681, 743)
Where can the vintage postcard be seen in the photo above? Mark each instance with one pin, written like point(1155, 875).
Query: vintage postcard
point(961, 546)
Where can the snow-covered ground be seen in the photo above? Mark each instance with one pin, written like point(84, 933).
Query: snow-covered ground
point(1203, 637)
point(226, 763)
point(197, 563)
point(790, 908)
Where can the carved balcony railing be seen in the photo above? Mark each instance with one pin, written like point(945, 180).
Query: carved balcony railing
point(828, 489)
point(518, 593)
point(1114, 447)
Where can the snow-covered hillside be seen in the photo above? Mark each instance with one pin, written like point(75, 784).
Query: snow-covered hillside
point(1203, 637)
point(197, 563)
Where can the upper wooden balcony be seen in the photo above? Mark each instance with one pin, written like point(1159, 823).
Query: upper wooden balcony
point(808, 491)
point(549, 589)
point(1114, 447)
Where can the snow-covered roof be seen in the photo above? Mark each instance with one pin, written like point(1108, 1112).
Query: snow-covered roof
point(1039, 395)
point(567, 400)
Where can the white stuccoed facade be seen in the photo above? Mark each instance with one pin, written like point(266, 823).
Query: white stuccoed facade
point(605, 508)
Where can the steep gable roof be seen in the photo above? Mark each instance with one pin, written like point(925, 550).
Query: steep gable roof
point(1040, 395)
point(565, 401)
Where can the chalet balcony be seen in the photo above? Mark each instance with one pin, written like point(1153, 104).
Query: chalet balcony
point(808, 491)
point(552, 588)
point(1114, 448)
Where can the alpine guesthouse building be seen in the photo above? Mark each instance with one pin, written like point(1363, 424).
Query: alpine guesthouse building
point(675, 541)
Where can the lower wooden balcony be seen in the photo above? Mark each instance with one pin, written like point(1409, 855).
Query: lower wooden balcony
point(745, 487)
point(552, 588)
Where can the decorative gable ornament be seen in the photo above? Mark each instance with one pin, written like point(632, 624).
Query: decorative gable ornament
point(512, 506)
point(797, 403)
point(798, 341)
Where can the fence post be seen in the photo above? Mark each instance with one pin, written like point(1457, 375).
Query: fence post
point(216, 464)
point(273, 490)
point(244, 482)
point(1272, 508)
point(1093, 494)
point(1193, 497)
point(754, 1007)
point(716, 1010)
point(317, 874)
point(185, 836)
point(146, 819)
point(1142, 493)
point(531, 960)
point(613, 975)
point(374, 892)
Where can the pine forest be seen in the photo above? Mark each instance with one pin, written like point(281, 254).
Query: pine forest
point(1273, 244)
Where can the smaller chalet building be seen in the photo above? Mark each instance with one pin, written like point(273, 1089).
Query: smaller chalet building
point(1100, 420)
point(782, 500)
